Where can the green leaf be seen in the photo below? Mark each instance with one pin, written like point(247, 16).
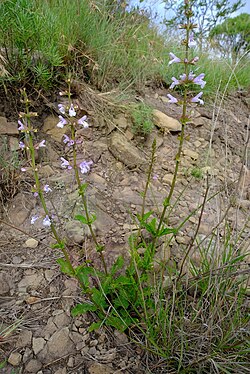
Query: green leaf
point(65, 266)
point(83, 272)
point(60, 245)
point(95, 326)
point(83, 308)
point(166, 231)
point(117, 265)
point(116, 322)
point(98, 298)
point(82, 189)
point(82, 219)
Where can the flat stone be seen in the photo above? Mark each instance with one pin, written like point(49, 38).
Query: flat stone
point(59, 345)
point(31, 243)
point(49, 127)
point(61, 371)
point(24, 339)
point(167, 179)
point(126, 152)
point(20, 209)
point(61, 320)
point(38, 344)
point(4, 284)
point(33, 366)
point(8, 128)
point(164, 122)
point(191, 154)
point(15, 359)
point(33, 281)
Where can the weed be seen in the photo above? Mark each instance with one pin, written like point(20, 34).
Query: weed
point(197, 172)
point(142, 118)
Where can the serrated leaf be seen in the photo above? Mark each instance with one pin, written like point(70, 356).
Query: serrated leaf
point(83, 273)
point(117, 265)
point(94, 326)
point(83, 308)
point(65, 267)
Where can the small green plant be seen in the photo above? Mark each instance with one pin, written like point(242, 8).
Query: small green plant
point(142, 117)
point(196, 172)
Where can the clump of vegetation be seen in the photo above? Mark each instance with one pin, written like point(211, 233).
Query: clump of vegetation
point(197, 172)
point(142, 118)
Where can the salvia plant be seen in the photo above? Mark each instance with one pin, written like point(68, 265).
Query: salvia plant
point(123, 295)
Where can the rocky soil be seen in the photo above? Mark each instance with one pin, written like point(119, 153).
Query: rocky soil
point(35, 298)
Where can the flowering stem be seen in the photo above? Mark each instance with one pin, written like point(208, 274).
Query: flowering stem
point(84, 201)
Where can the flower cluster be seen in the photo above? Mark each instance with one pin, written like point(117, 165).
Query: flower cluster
point(46, 221)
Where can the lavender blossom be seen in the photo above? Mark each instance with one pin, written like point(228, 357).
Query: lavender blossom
point(82, 121)
point(34, 218)
point(199, 80)
point(47, 188)
point(21, 125)
point(61, 108)
point(175, 59)
point(65, 164)
point(23, 169)
point(85, 166)
point(175, 82)
point(197, 99)
point(172, 99)
point(21, 145)
point(191, 42)
point(62, 122)
point(69, 142)
point(72, 112)
point(47, 221)
point(42, 144)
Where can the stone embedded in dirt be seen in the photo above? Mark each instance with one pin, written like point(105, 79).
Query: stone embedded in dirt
point(126, 152)
point(198, 121)
point(20, 209)
point(59, 345)
point(31, 243)
point(15, 359)
point(167, 179)
point(49, 127)
point(33, 366)
point(46, 171)
point(13, 144)
point(24, 339)
point(191, 154)
point(75, 231)
point(34, 282)
point(8, 128)
point(165, 123)
point(121, 121)
point(97, 368)
point(38, 344)
point(61, 371)
point(61, 320)
point(4, 284)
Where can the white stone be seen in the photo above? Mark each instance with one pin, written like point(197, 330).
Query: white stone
point(31, 243)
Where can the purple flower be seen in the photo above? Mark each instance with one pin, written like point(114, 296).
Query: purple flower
point(47, 188)
point(21, 125)
point(36, 194)
point(82, 121)
point(41, 144)
point(172, 99)
point(69, 142)
point(21, 145)
point(85, 166)
point(23, 169)
point(197, 99)
point(65, 164)
point(194, 60)
point(61, 108)
point(33, 219)
point(72, 112)
point(62, 122)
point(191, 42)
point(175, 60)
point(47, 221)
point(155, 177)
point(175, 82)
point(199, 80)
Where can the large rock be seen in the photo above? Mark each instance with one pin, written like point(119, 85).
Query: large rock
point(126, 152)
point(164, 122)
point(8, 128)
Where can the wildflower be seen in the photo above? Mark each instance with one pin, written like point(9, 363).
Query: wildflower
point(33, 219)
point(72, 112)
point(61, 108)
point(175, 59)
point(47, 221)
point(36, 194)
point(155, 177)
point(82, 121)
point(23, 169)
point(175, 82)
point(47, 188)
point(199, 80)
point(67, 140)
point(62, 122)
point(172, 99)
point(194, 60)
point(21, 145)
point(41, 144)
point(191, 42)
point(21, 125)
point(65, 164)
point(85, 166)
point(197, 99)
